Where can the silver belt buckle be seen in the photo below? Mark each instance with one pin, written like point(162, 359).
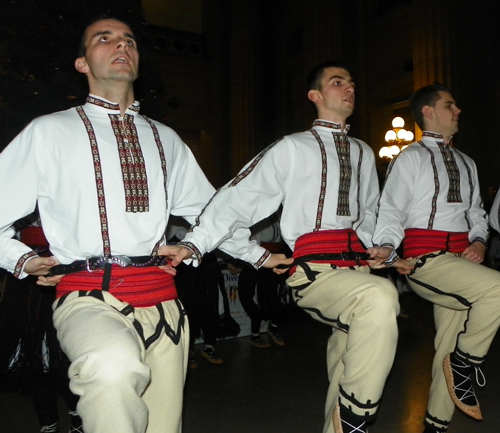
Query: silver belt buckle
point(117, 260)
point(87, 262)
point(120, 260)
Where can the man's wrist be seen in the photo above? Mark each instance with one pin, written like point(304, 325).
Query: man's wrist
point(479, 239)
point(196, 253)
point(393, 257)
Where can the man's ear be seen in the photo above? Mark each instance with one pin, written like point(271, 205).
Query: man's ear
point(81, 65)
point(427, 112)
point(314, 96)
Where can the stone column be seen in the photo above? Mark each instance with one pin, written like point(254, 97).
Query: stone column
point(242, 84)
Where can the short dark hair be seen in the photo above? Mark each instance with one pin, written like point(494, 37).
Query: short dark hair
point(427, 95)
point(82, 49)
point(313, 80)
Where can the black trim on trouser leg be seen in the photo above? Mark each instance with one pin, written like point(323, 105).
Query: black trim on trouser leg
point(175, 336)
point(429, 418)
point(467, 357)
point(311, 275)
point(458, 298)
point(334, 322)
point(358, 404)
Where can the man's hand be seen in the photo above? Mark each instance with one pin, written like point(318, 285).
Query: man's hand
point(169, 269)
point(475, 252)
point(49, 281)
point(378, 255)
point(277, 259)
point(404, 266)
point(40, 265)
point(175, 253)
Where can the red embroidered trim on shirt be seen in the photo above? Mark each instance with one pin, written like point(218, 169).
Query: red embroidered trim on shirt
point(103, 217)
point(20, 263)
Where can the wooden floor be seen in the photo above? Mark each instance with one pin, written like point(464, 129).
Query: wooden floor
point(282, 389)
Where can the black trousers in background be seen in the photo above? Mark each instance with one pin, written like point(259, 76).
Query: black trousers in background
point(198, 290)
point(268, 286)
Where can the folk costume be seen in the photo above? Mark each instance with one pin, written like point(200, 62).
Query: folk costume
point(430, 204)
point(105, 186)
point(327, 184)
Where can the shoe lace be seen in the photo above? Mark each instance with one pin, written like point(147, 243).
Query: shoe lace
point(209, 351)
point(75, 418)
point(465, 385)
point(360, 428)
point(479, 374)
point(52, 428)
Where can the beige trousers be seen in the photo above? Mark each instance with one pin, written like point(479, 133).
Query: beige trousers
point(123, 386)
point(362, 310)
point(466, 298)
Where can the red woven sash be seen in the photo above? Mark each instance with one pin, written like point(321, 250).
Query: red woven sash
point(329, 241)
point(139, 287)
point(421, 241)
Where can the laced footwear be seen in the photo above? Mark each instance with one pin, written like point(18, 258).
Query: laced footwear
point(272, 331)
point(76, 429)
point(52, 428)
point(192, 360)
point(347, 424)
point(76, 422)
point(258, 342)
point(458, 377)
point(208, 352)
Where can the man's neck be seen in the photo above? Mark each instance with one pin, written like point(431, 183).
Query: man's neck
point(336, 119)
point(122, 95)
point(446, 138)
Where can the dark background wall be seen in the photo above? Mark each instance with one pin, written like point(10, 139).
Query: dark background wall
point(235, 81)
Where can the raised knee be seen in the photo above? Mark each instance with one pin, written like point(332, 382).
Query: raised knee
point(110, 370)
point(384, 300)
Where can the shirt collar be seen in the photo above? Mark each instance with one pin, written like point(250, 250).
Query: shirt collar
point(437, 137)
point(108, 105)
point(331, 125)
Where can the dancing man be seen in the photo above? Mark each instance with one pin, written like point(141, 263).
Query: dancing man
point(327, 184)
point(431, 205)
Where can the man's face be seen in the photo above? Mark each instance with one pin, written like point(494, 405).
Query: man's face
point(111, 53)
point(336, 95)
point(444, 115)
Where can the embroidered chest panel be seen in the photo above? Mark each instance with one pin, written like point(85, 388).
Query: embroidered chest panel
point(135, 180)
point(133, 169)
point(343, 149)
point(454, 194)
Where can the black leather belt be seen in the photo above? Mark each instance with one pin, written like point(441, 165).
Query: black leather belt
point(344, 256)
point(96, 263)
